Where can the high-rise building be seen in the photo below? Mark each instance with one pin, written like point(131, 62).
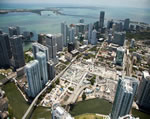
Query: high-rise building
point(59, 112)
point(134, 83)
point(80, 28)
point(17, 51)
point(41, 57)
point(110, 24)
point(120, 56)
point(33, 75)
point(51, 70)
point(94, 38)
point(90, 32)
point(72, 35)
point(109, 38)
point(123, 99)
point(81, 20)
point(119, 38)
point(7, 40)
point(37, 47)
point(14, 31)
point(52, 47)
point(132, 43)
point(71, 47)
point(64, 33)
point(59, 40)
point(143, 98)
point(41, 39)
point(126, 24)
point(101, 20)
point(4, 51)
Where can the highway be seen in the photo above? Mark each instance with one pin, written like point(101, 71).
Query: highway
point(76, 92)
point(49, 83)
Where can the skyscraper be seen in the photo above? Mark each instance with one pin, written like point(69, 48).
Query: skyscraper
point(17, 51)
point(52, 47)
point(33, 75)
point(143, 98)
point(72, 35)
point(90, 32)
point(101, 20)
point(59, 40)
point(36, 47)
point(41, 57)
point(4, 51)
point(81, 20)
point(120, 56)
point(64, 33)
point(51, 70)
point(14, 31)
point(119, 38)
point(123, 99)
point(126, 24)
point(41, 39)
point(94, 39)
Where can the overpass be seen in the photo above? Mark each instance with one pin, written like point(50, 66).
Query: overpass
point(5, 80)
point(49, 84)
point(77, 91)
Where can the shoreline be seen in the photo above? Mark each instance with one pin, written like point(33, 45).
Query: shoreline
point(57, 10)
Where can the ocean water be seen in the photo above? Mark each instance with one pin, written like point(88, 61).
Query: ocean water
point(49, 22)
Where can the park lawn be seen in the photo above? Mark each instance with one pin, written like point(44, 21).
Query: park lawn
point(96, 105)
point(88, 116)
point(41, 113)
point(16, 100)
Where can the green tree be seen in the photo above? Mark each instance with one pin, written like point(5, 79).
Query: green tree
point(57, 81)
point(83, 96)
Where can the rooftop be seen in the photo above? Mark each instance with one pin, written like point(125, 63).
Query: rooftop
point(31, 63)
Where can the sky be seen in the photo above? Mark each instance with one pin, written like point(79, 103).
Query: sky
point(120, 3)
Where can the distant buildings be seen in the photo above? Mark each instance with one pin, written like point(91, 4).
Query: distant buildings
point(5, 50)
point(90, 32)
point(123, 99)
point(143, 98)
point(33, 75)
point(119, 38)
point(101, 20)
point(36, 47)
point(132, 43)
point(17, 51)
point(41, 57)
point(59, 40)
point(94, 38)
point(119, 56)
point(64, 33)
point(80, 28)
point(81, 21)
point(51, 70)
point(72, 35)
point(126, 24)
point(71, 47)
point(117, 27)
point(14, 31)
point(59, 112)
point(41, 39)
point(110, 24)
point(52, 47)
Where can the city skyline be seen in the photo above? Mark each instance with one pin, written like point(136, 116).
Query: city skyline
point(94, 66)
